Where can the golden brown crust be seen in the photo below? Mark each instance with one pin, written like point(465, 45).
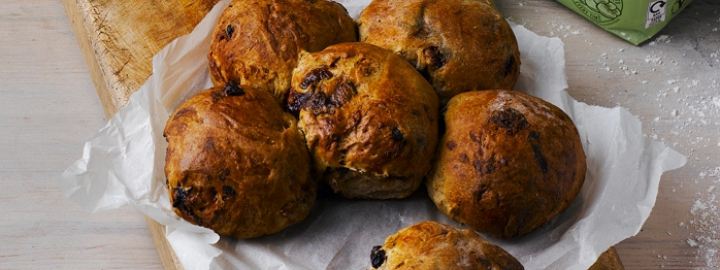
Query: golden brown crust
point(256, 42)
point(369, 119)
point(236, 163)
point(459, 45)
point(508, 162)
point(430, 245)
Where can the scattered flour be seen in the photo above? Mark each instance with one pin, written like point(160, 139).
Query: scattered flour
point(693, 103)
point(705, 222)
point(684, 102)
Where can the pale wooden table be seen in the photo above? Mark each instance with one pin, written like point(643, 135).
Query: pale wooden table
point(48, 107)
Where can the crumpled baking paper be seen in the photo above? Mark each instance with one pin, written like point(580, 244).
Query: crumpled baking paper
point(123, 164)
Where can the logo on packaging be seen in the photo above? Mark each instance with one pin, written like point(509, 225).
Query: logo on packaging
point(678, 6)
point(601, 11)
point(655, 13)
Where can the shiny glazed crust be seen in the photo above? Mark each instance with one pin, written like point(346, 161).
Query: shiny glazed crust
point(507, 163)
point(256, 42)
point(459, 45)
point(237, 164)
point(369, 119)
point(431, 245)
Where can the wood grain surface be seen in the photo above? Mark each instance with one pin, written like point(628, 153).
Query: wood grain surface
point(47, 110)
point(48, 107)
point(671, 83)
point(119, 39)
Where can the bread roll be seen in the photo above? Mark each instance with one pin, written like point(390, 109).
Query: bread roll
point(369, 119)
point(507, 163)
point(430, 246)
point(458, 45)
point(237, 164)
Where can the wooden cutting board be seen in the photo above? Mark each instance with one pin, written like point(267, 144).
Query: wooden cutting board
point(119, 38)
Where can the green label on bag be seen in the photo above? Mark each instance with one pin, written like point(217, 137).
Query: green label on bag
point(601, 11)
point(632, 20)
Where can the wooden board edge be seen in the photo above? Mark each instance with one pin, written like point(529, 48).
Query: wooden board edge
point(609, 260)
point(614, 256)
point(168, 258)
point(79, 26)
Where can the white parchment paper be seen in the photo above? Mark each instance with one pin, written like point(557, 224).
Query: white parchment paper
point(123, 164)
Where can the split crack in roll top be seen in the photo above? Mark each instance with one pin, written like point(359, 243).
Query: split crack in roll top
point(256, 42)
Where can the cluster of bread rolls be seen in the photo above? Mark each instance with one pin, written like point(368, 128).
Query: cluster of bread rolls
point(299, 102)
